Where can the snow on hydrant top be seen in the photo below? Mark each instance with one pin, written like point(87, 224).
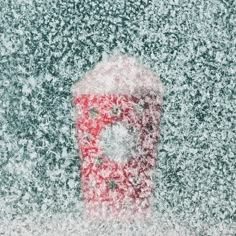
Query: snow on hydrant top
point(119, 74)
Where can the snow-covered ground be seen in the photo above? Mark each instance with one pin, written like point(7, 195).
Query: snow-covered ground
point(71, 224)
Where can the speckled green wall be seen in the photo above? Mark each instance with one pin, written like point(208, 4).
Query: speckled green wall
point(46, 46)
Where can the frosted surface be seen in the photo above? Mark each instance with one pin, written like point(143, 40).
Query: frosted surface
point(118, 142)
point(47, 46)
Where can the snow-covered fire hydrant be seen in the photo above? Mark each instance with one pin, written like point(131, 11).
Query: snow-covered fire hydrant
point(117, 113)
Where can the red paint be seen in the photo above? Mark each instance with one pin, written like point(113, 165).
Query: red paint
point(105, 182)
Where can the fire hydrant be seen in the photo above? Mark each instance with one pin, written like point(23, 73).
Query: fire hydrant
point(117, 114)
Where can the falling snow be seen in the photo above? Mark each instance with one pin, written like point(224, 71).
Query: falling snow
point(48, 46)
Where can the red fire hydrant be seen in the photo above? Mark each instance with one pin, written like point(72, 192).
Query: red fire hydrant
point(118, 108)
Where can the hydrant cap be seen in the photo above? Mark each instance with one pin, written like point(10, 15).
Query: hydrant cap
point(119, 74)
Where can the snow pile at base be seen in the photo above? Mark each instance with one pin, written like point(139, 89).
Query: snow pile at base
point(73, 224)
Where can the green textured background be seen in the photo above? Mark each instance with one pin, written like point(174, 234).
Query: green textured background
point(46, 46)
